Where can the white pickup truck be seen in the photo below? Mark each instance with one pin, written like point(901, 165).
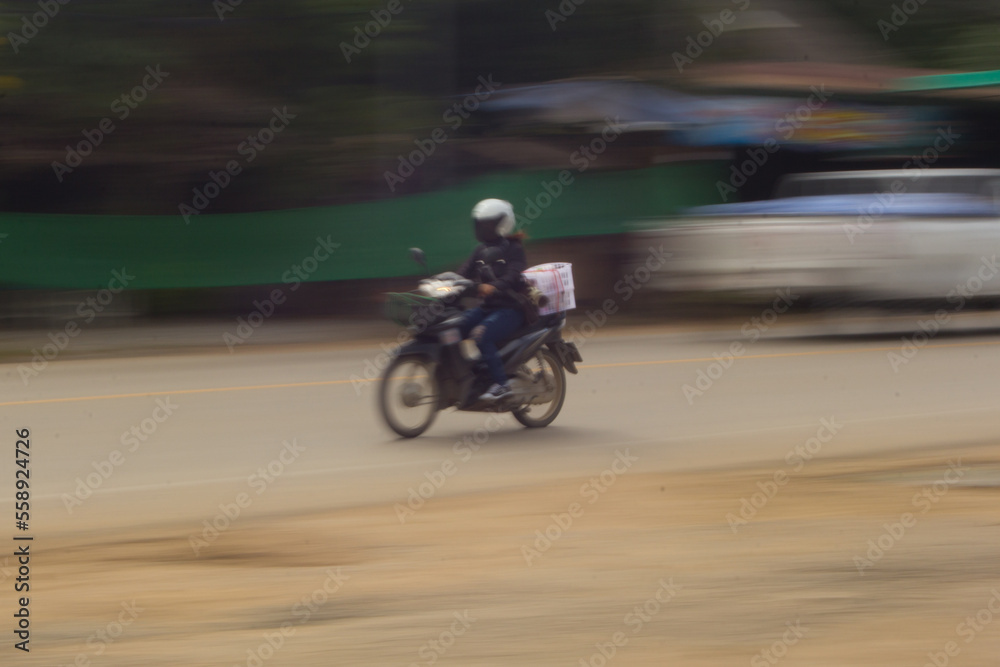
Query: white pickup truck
point(865, 235)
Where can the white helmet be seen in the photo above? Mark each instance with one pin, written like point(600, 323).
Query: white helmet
point(493, 220)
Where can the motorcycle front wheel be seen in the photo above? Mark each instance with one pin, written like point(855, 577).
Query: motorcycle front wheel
point(408, 396)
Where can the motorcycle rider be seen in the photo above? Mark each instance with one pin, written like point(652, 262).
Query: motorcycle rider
point(500, 315)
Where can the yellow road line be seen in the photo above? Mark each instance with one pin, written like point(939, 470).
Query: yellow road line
point(778, 355)
point(177, 392)
point(626, 364)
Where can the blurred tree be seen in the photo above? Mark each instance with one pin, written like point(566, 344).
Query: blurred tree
point(959, 34)
point(363, 79)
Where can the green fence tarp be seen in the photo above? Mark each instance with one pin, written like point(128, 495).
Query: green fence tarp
point(83, 251)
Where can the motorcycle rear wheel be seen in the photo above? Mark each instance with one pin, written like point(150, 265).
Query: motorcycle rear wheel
point(540, 416)
point(408, 396)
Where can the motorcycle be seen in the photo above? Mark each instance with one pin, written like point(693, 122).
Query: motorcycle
point(436, 369)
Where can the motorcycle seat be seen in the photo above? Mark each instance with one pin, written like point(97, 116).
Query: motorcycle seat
point(544, 322)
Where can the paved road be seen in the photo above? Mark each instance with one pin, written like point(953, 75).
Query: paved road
point(185, 504)
point(230, 415)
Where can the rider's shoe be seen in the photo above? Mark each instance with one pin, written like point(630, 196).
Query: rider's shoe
point(497, 392)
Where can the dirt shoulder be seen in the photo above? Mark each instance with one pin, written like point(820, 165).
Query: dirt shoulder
point(664, 564)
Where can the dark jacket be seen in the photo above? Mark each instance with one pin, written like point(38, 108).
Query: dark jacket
point(508, 271)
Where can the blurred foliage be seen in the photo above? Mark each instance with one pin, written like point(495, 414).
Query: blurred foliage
point(225, 76)
point(352, 118)
point(947, 34)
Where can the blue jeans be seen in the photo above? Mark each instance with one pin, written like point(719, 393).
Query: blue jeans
point(498, 324)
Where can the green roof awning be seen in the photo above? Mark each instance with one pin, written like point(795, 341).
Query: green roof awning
point(948, 81)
